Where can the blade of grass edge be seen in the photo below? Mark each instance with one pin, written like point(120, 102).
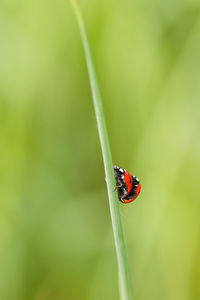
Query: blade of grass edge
point(124, 278)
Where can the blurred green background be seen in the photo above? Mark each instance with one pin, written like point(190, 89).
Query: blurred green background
point(56, 238)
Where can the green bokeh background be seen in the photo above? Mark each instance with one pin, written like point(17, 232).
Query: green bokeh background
point(56, 238)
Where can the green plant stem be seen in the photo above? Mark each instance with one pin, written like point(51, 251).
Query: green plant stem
point(124, 279)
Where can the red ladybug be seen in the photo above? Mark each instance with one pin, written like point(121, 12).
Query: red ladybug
point(127, 185)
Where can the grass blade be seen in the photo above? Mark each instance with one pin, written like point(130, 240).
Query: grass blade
point(124, 279)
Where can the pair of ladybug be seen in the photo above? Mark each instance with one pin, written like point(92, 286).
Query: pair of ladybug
point(127, 185)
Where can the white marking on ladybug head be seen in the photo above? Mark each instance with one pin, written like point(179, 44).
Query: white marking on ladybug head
point(121, 170)
point(137, 179)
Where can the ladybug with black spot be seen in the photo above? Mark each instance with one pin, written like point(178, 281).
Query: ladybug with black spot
point(127, 185)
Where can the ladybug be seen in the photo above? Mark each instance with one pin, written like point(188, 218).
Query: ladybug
point(127, 185)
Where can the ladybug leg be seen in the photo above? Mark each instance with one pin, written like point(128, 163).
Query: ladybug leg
point(123, 197)
point(117, 186)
